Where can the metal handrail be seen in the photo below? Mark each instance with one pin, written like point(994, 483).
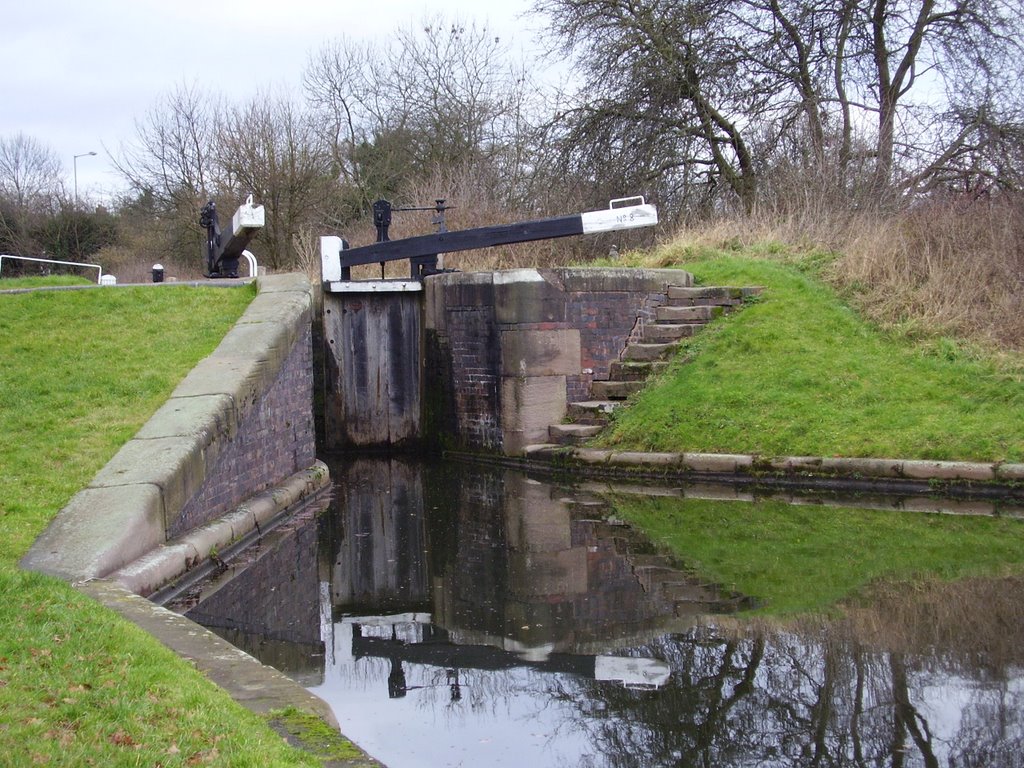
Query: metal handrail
point(51, 261)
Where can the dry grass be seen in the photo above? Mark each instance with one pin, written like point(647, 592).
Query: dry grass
point(946, 267)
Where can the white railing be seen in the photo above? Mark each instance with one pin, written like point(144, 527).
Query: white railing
point(51, 261)
point(253, 268)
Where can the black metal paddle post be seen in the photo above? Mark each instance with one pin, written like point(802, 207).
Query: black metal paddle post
point(222, 258)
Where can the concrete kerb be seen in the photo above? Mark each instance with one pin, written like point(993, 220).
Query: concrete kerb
point(119, 523)
point(931, 473)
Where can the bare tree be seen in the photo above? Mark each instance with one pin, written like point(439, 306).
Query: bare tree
point(716, 94)
point(30, 173)
point(271, 149)
point(173, 162)
point(438, 95)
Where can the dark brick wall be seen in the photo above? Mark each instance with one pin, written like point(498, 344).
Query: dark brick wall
point(270, 601)
point(274, 439)
point(464, 371)
point(476, 367)
point(606, 320)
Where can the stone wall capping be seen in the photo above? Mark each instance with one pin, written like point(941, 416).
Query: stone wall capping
point(270, 343)
point(280, 307)
point(208, 417)
point(547, 450)
point(790, 463)
point(592, 455)
point(98, 531)
point(948, 470)
point(614, 279)
point(175, 465)
point(1010, 472)
point(237, 377)
point(689, 466)
point(639, 458)
point(854, 467)
point(717, 462)
point(286, 282)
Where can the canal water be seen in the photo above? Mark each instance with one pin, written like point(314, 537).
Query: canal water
point(465, 615)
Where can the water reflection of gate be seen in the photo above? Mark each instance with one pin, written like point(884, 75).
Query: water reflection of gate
point(380, 549)
point(499, 560)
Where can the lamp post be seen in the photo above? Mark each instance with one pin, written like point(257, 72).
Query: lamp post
point(75, 163)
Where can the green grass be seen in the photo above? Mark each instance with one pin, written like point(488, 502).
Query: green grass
point(800, 559)
point(797, 372)
point(53, 281)
point(81, 372)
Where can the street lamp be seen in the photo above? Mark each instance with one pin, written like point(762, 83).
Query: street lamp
point(75, 163)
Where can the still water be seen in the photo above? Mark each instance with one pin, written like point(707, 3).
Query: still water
point(475, 616)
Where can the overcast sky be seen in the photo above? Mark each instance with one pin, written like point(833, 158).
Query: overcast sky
point(78, 73)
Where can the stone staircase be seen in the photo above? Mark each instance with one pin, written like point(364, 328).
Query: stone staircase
point(686, 311)
point(682, 593)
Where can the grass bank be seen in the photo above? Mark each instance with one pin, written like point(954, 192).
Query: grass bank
point(798, 372)
point(82, 371)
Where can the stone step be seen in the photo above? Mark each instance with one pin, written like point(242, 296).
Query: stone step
point(572, 434)
point(698, 314)
point(649, 352)
point(614, 390)
point(646, 561)
point(631, 370)
point(704, 296)
point(592, 411)
point(724, 296)
point(688, 592)
point(662, 332)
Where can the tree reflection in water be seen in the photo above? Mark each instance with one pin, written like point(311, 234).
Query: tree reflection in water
point(834, 693)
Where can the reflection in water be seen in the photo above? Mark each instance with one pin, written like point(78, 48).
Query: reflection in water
point(474, 616)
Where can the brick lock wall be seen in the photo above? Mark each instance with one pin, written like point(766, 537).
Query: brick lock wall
point(605, 319)
point(274, 439)
point(277, 595)
point(468, 344)
point(476, 364)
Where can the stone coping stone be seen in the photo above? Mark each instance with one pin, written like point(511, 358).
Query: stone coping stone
point(1010, 472)
point(167, 561)
point(853, 468)
point(717, 462)
point(612, 279)
point(204, 416)
point(647, 459)
point(948, 470)
point(100, 530)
